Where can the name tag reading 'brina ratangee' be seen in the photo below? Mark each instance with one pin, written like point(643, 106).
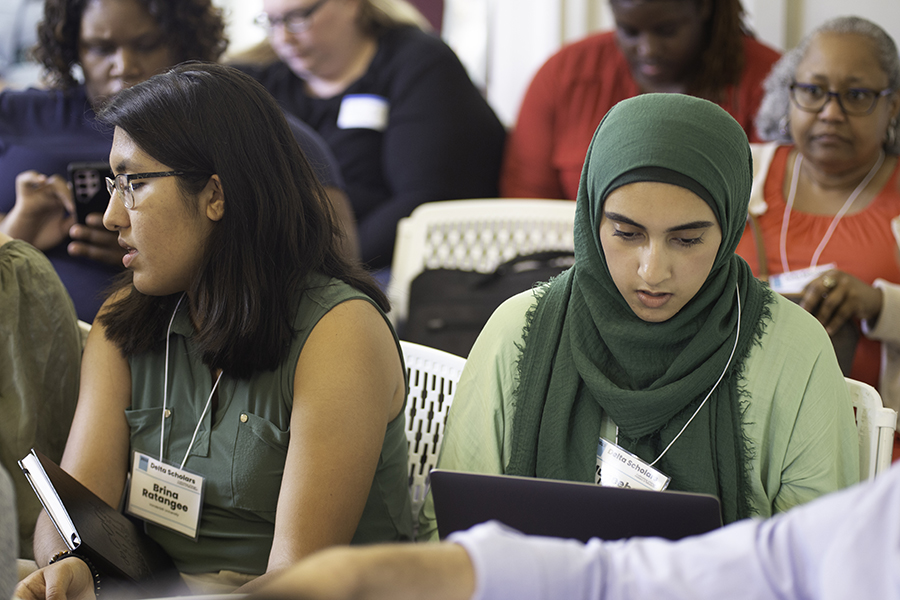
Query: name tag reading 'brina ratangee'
point(165, 495)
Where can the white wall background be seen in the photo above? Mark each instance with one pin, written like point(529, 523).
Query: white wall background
point(242, 33)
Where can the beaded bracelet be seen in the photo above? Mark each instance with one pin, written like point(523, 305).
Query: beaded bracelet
point(95, 574)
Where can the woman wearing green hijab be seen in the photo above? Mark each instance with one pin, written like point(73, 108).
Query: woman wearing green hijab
point(659, 341)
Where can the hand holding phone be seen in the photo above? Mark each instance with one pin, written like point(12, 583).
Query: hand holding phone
point(89, 237)
point(88, 181)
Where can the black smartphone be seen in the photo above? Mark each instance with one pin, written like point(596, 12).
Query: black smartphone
point(88, 181)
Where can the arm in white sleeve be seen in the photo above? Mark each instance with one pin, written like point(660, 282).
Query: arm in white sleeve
point(844, 545)
point(886, 327)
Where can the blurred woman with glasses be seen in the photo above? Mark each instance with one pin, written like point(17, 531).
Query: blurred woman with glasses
point(826, 187)
point(394, 103)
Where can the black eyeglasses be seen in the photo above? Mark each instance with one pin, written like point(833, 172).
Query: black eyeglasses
point(854, 101)
point(123, 184)
point(295, 21)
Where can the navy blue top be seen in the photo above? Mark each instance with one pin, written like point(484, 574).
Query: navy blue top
point(46, 130)
point(441, 140)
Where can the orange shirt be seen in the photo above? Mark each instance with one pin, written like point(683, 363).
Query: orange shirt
point(862, 245)
point(570, 95)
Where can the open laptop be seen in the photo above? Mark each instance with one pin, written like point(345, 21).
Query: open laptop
point(568, 509)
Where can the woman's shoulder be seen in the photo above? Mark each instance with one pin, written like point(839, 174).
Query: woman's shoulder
point(16, 252)
point(792, 342)
point(790, 319)
point(327, 292)
point(275, 75)
point(411, 59)
point(411, 45)
point(597, 53)
point(793, 363)
point(41, 100)
point(504, 334)
point(759, 56)
point(597, 43)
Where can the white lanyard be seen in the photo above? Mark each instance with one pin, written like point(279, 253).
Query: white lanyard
point(162, 429)
point(617, 467)
point(798, 160)
point(737, 335)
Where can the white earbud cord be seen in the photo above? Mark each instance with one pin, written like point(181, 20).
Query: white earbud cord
point(737, 335)
point(162, 428)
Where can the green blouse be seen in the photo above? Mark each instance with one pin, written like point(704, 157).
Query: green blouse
point(798, 419)
point(241, 449)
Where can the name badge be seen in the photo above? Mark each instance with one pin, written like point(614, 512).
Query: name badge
point(363, 111)
point(793, 282)
point(165, 495)
point(617, 467)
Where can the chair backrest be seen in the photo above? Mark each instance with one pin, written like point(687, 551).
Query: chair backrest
point(474, 235)
point(84, 328)
point(432, 378)
point(876, 429)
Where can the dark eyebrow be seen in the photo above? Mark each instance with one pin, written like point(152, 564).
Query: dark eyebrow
point(692, 225)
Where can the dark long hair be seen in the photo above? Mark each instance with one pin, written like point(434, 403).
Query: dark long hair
point(722, 61)
point(277, 228)
point(195, 28)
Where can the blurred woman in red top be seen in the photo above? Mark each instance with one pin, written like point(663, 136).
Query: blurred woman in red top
point(697, 47)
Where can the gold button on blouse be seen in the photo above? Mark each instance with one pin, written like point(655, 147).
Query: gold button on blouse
point(244, 418)
point(168, 413)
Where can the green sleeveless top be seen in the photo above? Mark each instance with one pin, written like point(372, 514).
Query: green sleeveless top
point(243, 458)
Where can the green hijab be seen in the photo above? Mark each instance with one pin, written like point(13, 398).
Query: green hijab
point(586, 353)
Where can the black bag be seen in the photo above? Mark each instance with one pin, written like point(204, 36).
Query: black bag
point(448, 308)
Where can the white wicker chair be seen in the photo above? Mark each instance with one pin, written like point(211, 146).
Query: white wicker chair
point(876, 425)
point(432, 383)
point(474, 235)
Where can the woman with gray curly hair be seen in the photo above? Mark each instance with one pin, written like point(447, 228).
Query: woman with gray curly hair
point(826, 186)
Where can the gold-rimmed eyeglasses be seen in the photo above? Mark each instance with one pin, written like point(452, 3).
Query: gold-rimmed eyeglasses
point(853, 101)
point(295, 21)
point(123, 184)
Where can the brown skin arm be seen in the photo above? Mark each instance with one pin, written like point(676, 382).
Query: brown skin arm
point(386, 572)
point(349, 384)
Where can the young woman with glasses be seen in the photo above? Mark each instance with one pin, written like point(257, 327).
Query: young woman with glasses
point(241, 349)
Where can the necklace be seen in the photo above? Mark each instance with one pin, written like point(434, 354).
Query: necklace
point(798, 160)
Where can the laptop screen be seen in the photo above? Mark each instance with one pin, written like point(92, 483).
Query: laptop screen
point(568, 509)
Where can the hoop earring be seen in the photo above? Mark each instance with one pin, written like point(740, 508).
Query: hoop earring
point(784, 126)
point(891, 134)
